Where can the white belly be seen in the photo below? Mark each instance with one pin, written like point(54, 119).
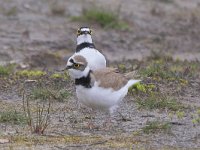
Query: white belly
point(100, 98)
point(94, 58)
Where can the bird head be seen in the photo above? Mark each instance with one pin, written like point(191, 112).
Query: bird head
point(77, 67)
point(84, 30)
point(84, 35)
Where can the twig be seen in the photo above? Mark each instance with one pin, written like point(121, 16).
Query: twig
point(41, 122)
point(177, 123)
point(97, 143)
point(23, 100)
point(124, 118)
point(148, 116)
point(82, 145)
point(47, 117)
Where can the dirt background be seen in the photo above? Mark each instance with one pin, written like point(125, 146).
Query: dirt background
point(29, 30)
point(32, 36)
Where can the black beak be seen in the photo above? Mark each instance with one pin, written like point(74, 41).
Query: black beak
point(66, 68)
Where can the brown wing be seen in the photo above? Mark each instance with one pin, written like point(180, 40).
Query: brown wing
point(109, 78)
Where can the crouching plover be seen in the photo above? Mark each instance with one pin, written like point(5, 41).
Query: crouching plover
point(86, 48)
point(100, 89)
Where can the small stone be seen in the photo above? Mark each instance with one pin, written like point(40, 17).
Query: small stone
point(3, 141)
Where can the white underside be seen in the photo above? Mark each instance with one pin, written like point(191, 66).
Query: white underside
point(94, 58)
point(101, 98)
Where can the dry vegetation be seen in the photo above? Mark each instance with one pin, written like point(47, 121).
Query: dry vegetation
point(46, 104)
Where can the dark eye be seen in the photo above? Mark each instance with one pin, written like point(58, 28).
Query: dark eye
point(78, 32)
point(90, 32)
point(76, 65)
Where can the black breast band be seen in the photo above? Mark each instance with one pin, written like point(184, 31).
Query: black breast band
point(84, 45)
point(84, 81)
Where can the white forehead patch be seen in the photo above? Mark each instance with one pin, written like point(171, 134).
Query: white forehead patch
point(85, 29)
point(69, 64)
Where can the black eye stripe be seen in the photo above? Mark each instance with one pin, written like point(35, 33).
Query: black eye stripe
point(71, 60)
point(85, 32)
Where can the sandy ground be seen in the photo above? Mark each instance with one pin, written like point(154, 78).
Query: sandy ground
point(29, 29)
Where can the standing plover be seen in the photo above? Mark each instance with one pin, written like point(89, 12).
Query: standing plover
point(86, 48)
point(99, 89)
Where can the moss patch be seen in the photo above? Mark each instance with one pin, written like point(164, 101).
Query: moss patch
point(31, 73)
point(64, 76)
point(145, 88)
point(155, 127)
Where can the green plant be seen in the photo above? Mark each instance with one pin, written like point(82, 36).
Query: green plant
point(122, 68)
point(44, 94)
point(170, 115)
point(38, 120)
point(106, 19)
point(31, 73)
point(180, 114)
point(6, 70)
point(144, 88)
point(158, 69)
point(159, 101)
point(195, 121)
point(198, 112)
point(37, 104)
point(56, 76)
point(165, 68)
point(155, 126)
point(13, 117)
point(40, 94)
point(37, 111)
point(196, 117)
point(62, 94)
point(11, 11)
point(64, 76)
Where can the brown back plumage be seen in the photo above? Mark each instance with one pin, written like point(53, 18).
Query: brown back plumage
point(109, 78)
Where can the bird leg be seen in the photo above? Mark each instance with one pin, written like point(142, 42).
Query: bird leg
point(108, 123)
point(124, 118)
point(90, 124)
